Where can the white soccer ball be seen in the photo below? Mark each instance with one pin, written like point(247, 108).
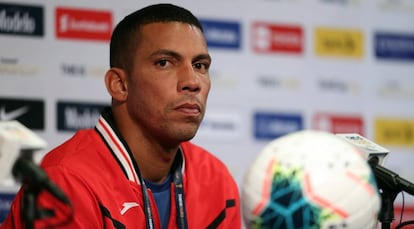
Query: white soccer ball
point(310, 179)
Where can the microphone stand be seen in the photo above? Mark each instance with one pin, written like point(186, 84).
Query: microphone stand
point(389, 185)
point(31, 187)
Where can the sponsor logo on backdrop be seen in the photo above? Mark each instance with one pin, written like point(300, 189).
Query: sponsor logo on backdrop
point(80, 70)
point(403, 209)
point(394, 46)
point(219, 125)
point(268, 126)
point(339, 42)
point(342, 2)
point(334, 123)
point(11, 66)
point(338, 85)
point(272, 82)
point(73, 69)
point(283, 1)
point(72, 116)
point(396, 5)
point(29, 112)
point(394, 132)
point(5, 203)
point(223, 79)
point(83, 24)
point(22, 20)
point(277, 38)
point(396, 89)
point(222, 34)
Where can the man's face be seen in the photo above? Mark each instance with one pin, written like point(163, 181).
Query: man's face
point(169, 82)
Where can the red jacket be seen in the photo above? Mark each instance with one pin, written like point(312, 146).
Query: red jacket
point(96, 173)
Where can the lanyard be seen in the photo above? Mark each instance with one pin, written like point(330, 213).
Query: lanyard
point(179, 197)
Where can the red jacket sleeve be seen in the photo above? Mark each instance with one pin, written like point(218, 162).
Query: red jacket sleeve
point(82, 213)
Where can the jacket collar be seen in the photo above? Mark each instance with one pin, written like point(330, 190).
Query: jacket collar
point(120, 150)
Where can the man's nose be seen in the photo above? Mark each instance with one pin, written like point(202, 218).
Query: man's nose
point(188, 80)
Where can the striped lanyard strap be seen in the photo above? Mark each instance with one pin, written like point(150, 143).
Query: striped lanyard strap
point(178, 192)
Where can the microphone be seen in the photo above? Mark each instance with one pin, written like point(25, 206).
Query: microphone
point(390, 179)
point(17, 146)
point(389, 183)
point(14, 137)
point(375, 156)
point(27, 172)
point(367, 147)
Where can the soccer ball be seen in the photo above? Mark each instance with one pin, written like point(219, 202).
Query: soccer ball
point(310, 179)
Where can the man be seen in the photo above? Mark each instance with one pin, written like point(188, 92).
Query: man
point(136, 169)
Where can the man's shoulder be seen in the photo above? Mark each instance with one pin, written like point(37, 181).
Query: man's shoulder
point(202, 160)
point(80, 146)
point(196, 152)
point(204, 169)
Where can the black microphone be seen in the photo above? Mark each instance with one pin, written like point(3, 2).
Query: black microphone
point(375, 155)
point(389, 183)
point(26, 171)
point(390, 178)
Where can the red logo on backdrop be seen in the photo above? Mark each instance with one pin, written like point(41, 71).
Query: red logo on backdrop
point(405, 212)
point(83, 24)
point(270, 38)
point(338, 124)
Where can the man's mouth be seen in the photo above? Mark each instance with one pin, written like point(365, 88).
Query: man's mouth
point(189, 108)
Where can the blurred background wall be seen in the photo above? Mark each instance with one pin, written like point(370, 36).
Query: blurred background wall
point(278, 66)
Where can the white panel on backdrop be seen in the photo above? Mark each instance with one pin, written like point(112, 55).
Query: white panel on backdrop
point(342, 58)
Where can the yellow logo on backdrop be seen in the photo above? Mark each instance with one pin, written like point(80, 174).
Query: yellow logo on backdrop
point(339, 42)
point(395, 132)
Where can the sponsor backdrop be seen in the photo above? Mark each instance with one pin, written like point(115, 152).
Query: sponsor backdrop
point(279, 66)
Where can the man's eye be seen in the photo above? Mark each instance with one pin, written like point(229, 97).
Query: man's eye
point(201, 66)
point(162, 63)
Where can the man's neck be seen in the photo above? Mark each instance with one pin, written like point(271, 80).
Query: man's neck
point(154, 165)
point(154, 159)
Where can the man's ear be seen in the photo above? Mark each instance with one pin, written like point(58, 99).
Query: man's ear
point(116, 82)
